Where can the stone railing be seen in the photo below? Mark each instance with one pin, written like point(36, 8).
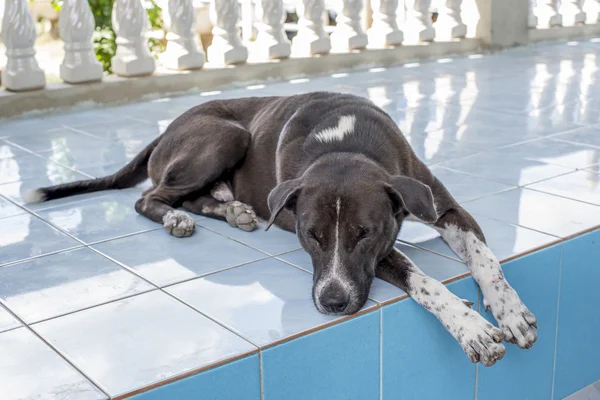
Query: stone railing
point(392, 32)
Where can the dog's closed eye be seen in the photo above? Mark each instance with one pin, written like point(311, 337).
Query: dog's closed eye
point(314, 237)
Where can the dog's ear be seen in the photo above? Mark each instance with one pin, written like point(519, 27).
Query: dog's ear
point(284, 195)
point(414, 196)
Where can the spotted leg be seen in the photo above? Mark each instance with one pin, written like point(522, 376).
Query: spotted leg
point(463, 235)
point(479, 339)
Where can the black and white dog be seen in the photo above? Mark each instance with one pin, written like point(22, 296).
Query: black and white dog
point(336, 170)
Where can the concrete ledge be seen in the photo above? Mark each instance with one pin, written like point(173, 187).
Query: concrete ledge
point(114, 89)
point(563, 33)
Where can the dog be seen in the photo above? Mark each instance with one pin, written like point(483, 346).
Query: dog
point(336, 170)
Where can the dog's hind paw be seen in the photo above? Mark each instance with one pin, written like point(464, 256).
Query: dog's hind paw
point(240, 215)
point(179, 223)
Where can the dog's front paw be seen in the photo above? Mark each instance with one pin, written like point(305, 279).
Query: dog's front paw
point(240, 215)
point(518, 324)
point(479, 339)
point(178, 223)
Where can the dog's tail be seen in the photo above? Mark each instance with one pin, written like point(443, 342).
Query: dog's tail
point(136, 171)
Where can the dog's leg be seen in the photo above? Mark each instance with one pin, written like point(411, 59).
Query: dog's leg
point(237, 214)
point(156, 205)
point(464, 236)
point(479, 339)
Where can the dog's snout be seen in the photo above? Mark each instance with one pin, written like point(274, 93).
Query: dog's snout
point(334, 299)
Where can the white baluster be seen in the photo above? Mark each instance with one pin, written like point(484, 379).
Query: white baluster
point(271, 41)
point(22, 71)
point(546, 13)
point(384, 31)
point(183, 48)
point(311, 37)
point(76, 26)
point(417, 27)
point(571, 11)
point(348, 33)
point(226, 47)
point(130, 22)
point(592, 11)
point(532, 20)
point(449, 24)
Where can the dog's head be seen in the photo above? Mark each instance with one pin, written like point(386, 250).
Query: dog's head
point(347, 219)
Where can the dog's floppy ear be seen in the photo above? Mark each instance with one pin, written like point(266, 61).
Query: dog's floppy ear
point(284, 195)
point(414, 196)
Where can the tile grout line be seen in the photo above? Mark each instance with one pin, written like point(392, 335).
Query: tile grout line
point(55, 350)
point(381, 352)
point(556, 333)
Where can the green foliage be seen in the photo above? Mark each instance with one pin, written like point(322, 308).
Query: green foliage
point(104, 37)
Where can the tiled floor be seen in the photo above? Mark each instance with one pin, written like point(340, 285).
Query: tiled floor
point(112, 304)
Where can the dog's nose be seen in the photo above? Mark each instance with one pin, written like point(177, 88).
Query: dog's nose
point(334, 299)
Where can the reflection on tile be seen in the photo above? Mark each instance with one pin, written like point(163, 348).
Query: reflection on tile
point(99, 218)
point(135, 342)
point(380, 290)
point(425, 236)
point(27, 126)
point(436, 266)
point(8, 209)
point(265, 301)
point(164, 259)
point(507, 169)
point(57, 284)
point(98, 155)
point(25, 235)
point(44, 376)
point(540, 211)
point(485, 137)
point(589, 135)
point(9, 151)
point(58, 140)
point(569, 155)
point(30, 167)
point(7, 321)
point(464, 187)
point(274, 241)
point(122, 130)
point(580, 185)
point(505, 240)
point(432, 151)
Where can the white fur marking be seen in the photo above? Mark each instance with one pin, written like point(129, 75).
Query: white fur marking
point(475, 335)
point(34, 196)
point(334, 273)
point(516, 321)
point(344, 127)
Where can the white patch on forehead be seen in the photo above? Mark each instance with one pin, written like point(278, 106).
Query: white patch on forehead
point(344, 127)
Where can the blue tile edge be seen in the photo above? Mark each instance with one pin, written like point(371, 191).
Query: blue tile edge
point(186, 385)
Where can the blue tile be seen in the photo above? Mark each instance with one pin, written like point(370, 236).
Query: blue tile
point(140, 341)
point(536, 210)
point(122, 130)
point(589, 135)
point(340, 362)
point(591, 392)
point(59, 141)
point(32, 167)
point(164, 259)
point(31, 370)
point(214, 384)
point(505, 240)
point(505, 168)
point(420, 359)
point(577, 352)
point(7, 321)
point(24, 236)
point(581, 185)
point(8, 151)
point(61, 283)
point(465, 187)
point(432, 151)
point(565, 154)
point(274, 241)
point(99, 218)
point(265, 301)
point(535, 278)
point(28, 126)
point(8, 209)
